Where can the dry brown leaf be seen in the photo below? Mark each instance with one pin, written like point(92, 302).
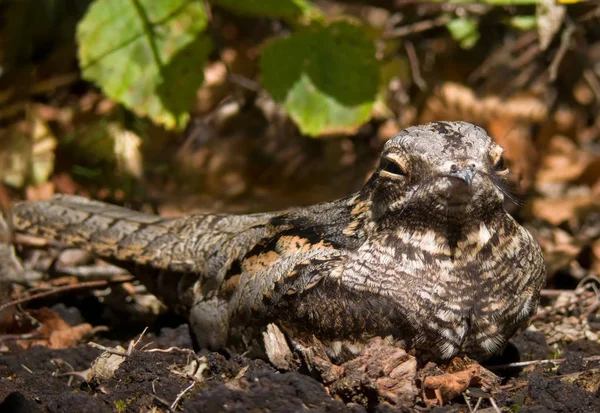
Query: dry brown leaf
point(104, 367)
point(388, 129)
point(40, 192)
point(70, 336)
point(591, 174)
point(66, 185)
point(454, 101)
point(559, 247)
point(521, 154)
point(214, 89)
point(54, 332)
point(563, 161)
point(596, 256)
point(557, 211)
point(438, 390)
point(386, 370)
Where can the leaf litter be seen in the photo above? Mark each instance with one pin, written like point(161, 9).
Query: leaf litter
point(232, 158)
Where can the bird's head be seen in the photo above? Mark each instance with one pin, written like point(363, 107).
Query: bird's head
point(437, 173)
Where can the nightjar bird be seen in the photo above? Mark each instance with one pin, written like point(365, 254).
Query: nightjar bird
point(424, 255)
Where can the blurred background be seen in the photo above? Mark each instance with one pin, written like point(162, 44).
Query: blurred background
point(183, 106)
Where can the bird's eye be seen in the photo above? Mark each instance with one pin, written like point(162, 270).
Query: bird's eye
point(391, 167)
point(500, 166)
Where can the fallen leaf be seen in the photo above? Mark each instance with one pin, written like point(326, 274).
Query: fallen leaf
point(386, 371)
point(596, 256)
point(439, 390)
point(70, 336)
point(106, 364)
point(557, 211)
point(54, 332)
point(515, 137)
point(563, 161)
point(39, 192)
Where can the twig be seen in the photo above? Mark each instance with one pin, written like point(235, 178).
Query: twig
point(159, 399)
point(468, 400)
point(71, 373)
point(414, 65)
point(592, 81)
point(591, 15)
point(243, 81)
point(535, 362)
point(502, 54)
point(27, 336)
point(86, 284)
point(181, 394)
point(526, 57)
point(187, 351)
point(86, 271)
point(579, 295)
point(511, 387)
point(554, 293)
point(495, 405)
point(565, 40)
point(134, 345)
point(417, 27)
point(108, 349)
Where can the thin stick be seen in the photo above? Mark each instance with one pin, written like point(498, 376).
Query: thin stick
point(417, 27)
point(140, 338)
point(82, 285)
point(92, 271)
point(181, 394)
point(187, 351)
point(414, 65)
point(495, 405)
point(565, 42)
point(534, 362)
point(554, 293)
point(108, 349)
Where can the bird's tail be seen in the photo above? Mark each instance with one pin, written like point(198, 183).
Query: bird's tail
point(147, 245)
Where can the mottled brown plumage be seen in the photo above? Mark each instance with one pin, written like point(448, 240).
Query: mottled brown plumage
point(424, 255)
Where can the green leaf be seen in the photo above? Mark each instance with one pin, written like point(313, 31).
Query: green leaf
point(268, 8)
point(327, 79)
point(464, 30)
point(146, 54)
point(523, 22)
point(489, 2)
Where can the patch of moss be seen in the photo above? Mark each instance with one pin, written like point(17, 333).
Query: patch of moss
point(120, 406)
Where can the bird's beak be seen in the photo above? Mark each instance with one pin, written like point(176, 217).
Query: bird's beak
point(465, 174)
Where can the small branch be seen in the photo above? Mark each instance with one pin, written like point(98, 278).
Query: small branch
point(108, 349)
point(496, 408)
point(27, 336)
point(243, 81)
point(417, 27)
point(592, 81)
point(87, 271)
point(555, 293)
point(79, 286)
point(133, 345)
point(414, 65)
point(565, 42)
point(187, 351)
point(556, 362)
point(181, 394)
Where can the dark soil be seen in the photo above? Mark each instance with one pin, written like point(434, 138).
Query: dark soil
point(31, 381)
